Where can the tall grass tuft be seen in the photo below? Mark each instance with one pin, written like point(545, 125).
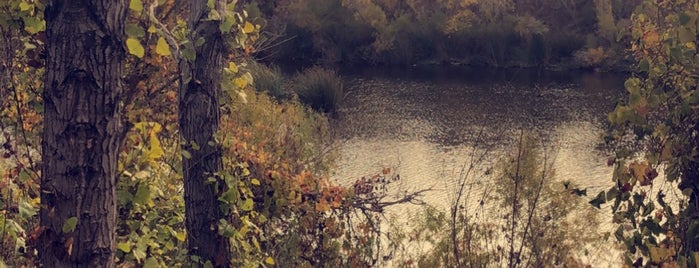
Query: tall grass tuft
point(319, 88)
point(268, 79)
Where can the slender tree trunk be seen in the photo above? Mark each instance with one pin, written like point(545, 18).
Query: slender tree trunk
point(199, 119)
point(83, 131)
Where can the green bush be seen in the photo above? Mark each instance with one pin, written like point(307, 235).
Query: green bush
point(267, 79)
point(319, 88)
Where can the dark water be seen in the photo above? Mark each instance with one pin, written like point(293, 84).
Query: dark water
point(426, 123)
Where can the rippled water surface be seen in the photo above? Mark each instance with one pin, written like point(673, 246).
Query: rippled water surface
point(426, 123)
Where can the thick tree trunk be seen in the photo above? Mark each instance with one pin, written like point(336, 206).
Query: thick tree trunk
point(83, 131)
point(199, 119)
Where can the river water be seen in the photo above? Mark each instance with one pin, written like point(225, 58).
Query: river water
point(426, 124)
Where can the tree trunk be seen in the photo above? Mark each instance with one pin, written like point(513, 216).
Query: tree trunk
point(200, 88)
point(83, 131)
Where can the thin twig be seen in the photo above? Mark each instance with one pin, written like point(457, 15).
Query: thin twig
point(514, 202)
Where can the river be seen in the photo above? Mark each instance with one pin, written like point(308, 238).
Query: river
point(425, 123)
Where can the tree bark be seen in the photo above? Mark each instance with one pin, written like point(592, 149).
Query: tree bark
point(199, 120)
point(83, 131)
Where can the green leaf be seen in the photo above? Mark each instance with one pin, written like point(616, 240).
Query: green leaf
point(227, 24)
point(162, 48)
point(24, 175)
point(208, 264)
point(34, 25)
point(200, 41)
point(247, 205)
point(687, 191)
point(24, 6)
point(142, 195)
point(229, 196)
point(123, 197)
point(134, 30)
point(189, 54)
point(70, 224)
point(686, 35)
point(136, 5)
point(684, 18)
point(124, 247)
point(135, 47)
point(26, 210)
point(186, 154)
point(644, 66)
point(214, 15)
point(612, 193)
point(150, 263)
point(599, 200)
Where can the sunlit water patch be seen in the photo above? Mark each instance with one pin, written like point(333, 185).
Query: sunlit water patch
point(427, 127)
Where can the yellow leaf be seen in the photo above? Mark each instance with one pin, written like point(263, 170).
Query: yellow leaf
point(136, 5)
point(24, 6)
point(156, 151)
point(135, 47)
point(162, 48)
point(152, 29)
point(269, 261)
point(232, 67)
point(240, 82)
point(180, 236)
point(255, 182)
point(157, 128)
point(248, 28)
point(125, 247)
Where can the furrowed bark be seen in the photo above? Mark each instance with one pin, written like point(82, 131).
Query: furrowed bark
point(83, 131)
point(199, 120)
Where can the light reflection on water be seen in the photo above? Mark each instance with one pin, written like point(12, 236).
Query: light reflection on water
point(426, 126)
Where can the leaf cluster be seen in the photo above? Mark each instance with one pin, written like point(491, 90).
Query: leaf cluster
point(654, 130)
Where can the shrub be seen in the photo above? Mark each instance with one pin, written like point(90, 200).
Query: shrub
point(526, 218)
point(319, 88)
point(267, 79)
point(591, 57)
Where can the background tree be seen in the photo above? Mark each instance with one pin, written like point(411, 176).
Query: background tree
point(83, 131)
point(200, 88)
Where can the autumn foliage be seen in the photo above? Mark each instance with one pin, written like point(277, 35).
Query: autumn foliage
point(282, 207)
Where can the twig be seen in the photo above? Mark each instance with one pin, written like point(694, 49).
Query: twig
point(514, 203)
point(169, 37)
point(378, 206)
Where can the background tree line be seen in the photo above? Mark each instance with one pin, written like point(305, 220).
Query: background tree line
point(500, 33)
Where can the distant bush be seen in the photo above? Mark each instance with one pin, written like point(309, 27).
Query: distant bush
point(591, 57)
point(268, 79)
point(319, 88)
